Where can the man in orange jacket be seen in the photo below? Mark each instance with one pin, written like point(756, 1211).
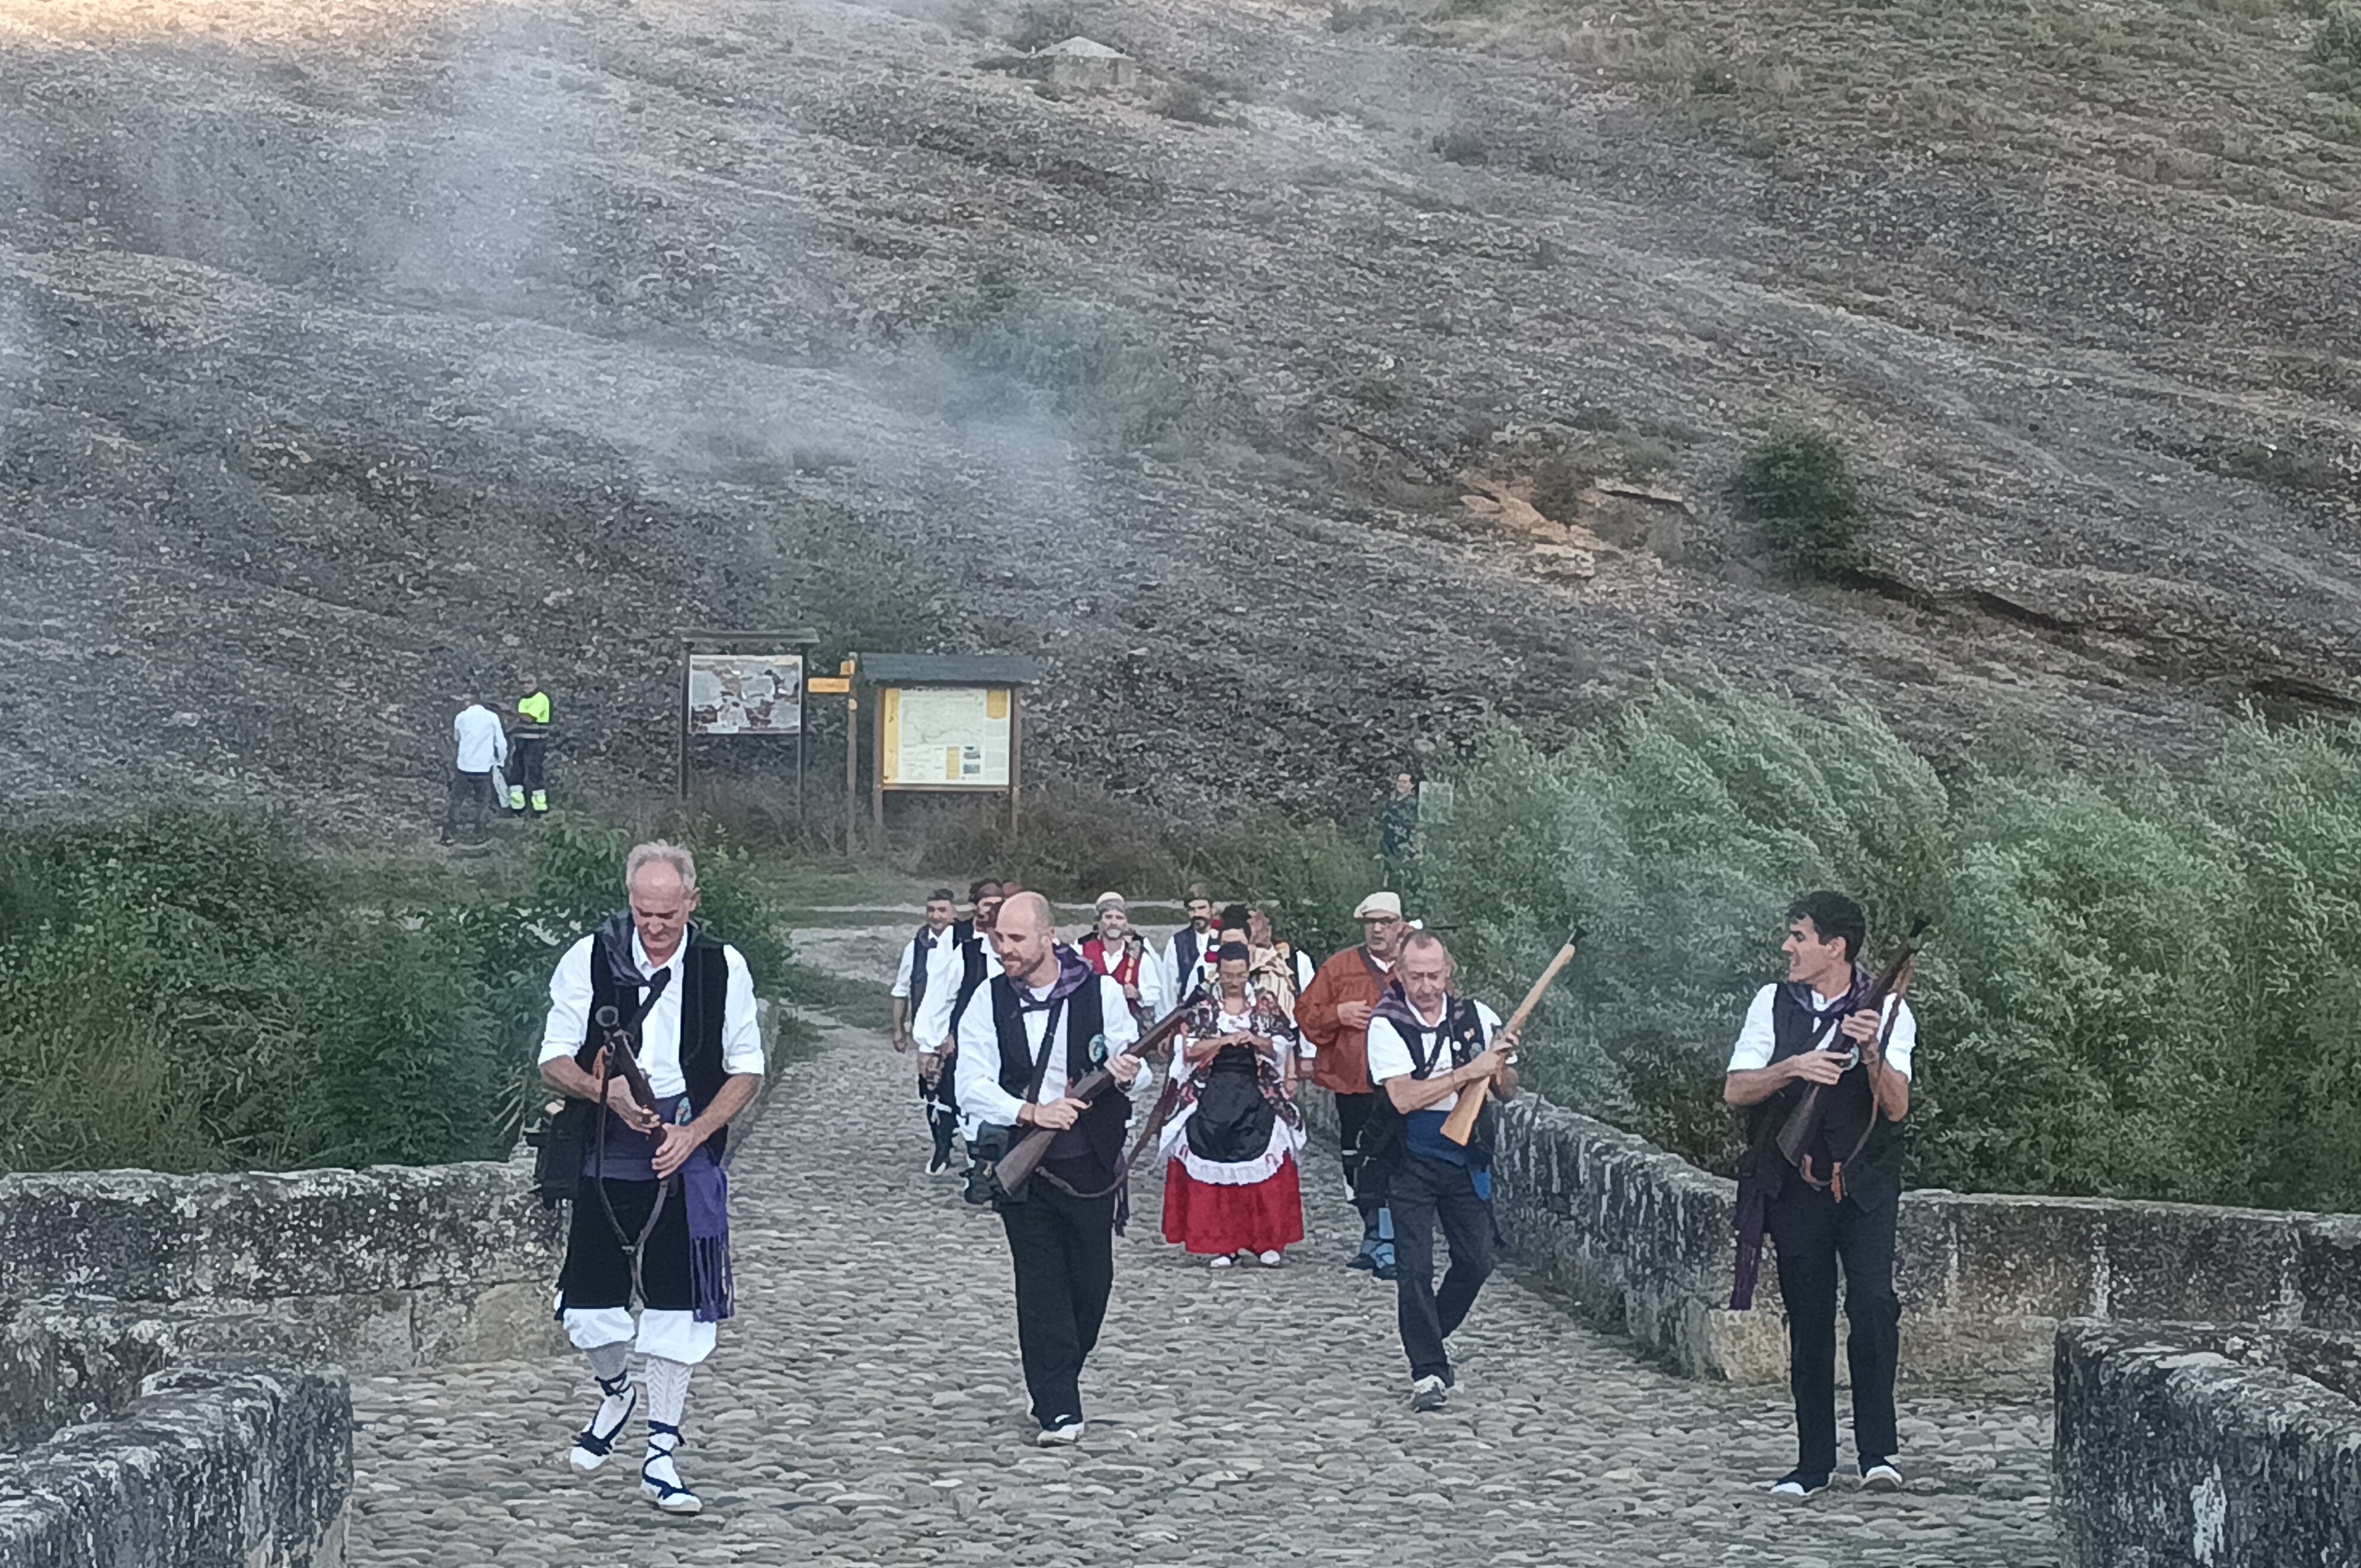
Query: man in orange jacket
point(1333, 1014)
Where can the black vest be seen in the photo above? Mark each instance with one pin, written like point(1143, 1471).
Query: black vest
point(704, 998)
point(1188, 953)
point(1462, 1030)
point(972, 977)
point(1097, 1137)
point(922, 947)
point(1870, 1177)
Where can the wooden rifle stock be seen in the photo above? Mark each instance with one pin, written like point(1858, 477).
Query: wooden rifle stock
point(1803, 1123)
point(1032, 1144)
point(1460, 1125)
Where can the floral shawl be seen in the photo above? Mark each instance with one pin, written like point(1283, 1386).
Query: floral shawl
point(1265, 1015)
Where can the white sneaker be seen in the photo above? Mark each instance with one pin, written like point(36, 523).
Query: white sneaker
point(1427, 1393)
point(595, 1442)
point(1062, 1434)
point(1270, 1259)
point(1880, 1475)
point(1219, 1260)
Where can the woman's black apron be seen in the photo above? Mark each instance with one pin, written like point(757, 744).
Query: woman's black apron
point(1233, 1119)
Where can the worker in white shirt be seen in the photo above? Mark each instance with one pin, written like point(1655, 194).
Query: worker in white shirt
point(482, 744)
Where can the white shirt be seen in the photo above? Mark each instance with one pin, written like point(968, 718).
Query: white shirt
point(940, 947)
point(933, 1028)
point(569, 1016)
point(980, 1094)
point(1756, 1041)
point(483, 744)
point(1390, 1055)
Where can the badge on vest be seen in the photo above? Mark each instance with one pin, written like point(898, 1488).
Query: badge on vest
point(1098, 1050)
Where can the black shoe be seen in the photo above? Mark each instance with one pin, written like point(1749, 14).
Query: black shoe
point(1796, 1486)
point(1387, 1271)
point(1362, 1260)
point(1880, 1475)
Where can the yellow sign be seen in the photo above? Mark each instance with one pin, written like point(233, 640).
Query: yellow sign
point(829, 686)
point(946, 737)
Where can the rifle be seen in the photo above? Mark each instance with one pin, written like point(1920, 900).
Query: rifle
point(1032, 1144)
point(1460, 1125)
point(1803, 1125)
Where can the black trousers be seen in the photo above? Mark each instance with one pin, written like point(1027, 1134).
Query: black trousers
point(529, 762)
point(1063, 1247)
point(941, 1120)
point(1353, 1113)
point(1424, 1191)
point(473, 788)
point(1815, 1235)
point(598, 1271)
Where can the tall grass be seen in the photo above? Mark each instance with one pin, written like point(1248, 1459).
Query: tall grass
point(185, 989)
point(2138, 986)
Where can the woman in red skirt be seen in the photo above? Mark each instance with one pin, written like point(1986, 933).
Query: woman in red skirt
point(1231, 1186)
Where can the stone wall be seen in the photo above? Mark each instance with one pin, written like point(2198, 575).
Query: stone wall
point(377, 1270)
point(1642, 1242)
point(222, 1460)
point(2203, 1446)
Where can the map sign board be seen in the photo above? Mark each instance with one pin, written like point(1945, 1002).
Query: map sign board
point(945, 736)
point(745, 694)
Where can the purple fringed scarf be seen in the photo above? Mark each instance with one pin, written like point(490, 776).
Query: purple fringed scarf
point(705, 1188)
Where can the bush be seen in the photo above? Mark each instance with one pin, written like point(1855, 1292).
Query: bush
point(2136, 987)
point(184, 990)
point(1020, 348)
point(1795, 490)
point(1039, 25)
point(2336, 42)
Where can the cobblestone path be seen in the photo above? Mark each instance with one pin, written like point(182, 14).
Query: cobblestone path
point(867, 1406)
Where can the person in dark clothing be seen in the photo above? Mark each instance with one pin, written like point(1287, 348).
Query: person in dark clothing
point(1040, 1025)
point(1836, 1214)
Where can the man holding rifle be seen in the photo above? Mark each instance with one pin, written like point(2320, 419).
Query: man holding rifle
point(650, 1199)
point(1427, 1047)
point(1050, 1020)
point(1826, 1026)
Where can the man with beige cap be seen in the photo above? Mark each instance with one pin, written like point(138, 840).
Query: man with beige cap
point(1117, 951)
point(1333, 1014)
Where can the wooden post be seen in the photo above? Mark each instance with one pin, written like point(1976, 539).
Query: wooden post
point(851, 762)
point(680, 750)
point(1016, 754)
point(878, 780)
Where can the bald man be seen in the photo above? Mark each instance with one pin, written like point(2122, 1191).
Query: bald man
point(1052, 1019)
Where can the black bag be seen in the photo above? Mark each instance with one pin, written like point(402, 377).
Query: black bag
point(557, 1153)
point(985, 1151)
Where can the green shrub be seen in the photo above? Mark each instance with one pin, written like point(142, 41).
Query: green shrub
point(1796, 492)
point(2337, 41)
point(1019, 345)
point(2136, 986)
point(184, 990)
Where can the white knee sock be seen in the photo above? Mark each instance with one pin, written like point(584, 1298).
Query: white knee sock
point(667, 1391)
point(608, 1362)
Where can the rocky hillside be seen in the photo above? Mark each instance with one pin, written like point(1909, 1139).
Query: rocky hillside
point(355, 355)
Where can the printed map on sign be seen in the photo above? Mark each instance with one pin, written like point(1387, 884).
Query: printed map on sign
point(947, 737)
point(745, 694)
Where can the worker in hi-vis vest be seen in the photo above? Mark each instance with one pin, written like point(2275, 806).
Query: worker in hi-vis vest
point(529, 771)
